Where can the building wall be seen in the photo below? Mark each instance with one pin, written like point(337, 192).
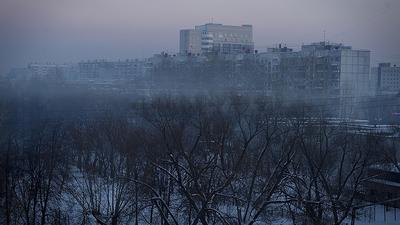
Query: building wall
point(47, 71)
point(128, 69)
point(217, 38)
point(340, 66)
point(226, 39)
point(387, 78)
point(390, 78)
point(190, 42)
point(354, 73)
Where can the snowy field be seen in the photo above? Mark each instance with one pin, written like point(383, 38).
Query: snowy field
point(378, 215)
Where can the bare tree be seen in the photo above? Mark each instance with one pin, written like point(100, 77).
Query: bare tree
point(98, 185)
point(328, 177)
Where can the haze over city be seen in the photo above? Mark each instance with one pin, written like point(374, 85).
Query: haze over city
point(70, 31)
point(213, 112)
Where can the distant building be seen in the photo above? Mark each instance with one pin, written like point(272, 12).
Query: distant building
point(217, 38)
point(341, 72)
point(319, 69)
point(47, 71)
point(122, 69)
point(271, 62)
point(44, 71)
point(190, 42)
point(341, 67)
point(20, 74)
point(93, 69)
point(385, 79)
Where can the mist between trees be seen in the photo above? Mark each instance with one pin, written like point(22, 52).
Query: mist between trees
point(70, 156)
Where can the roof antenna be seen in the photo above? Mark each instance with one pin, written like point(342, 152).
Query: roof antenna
point(324, 36)
point(212, 19)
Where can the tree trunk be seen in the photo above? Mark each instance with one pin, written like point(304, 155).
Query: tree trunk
point(136, 201)
point(114, 220)
point(353, 216)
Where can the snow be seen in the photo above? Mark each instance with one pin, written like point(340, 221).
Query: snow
point(373, 215)
point(390, 167)
point(386, 182)
point(376, 215)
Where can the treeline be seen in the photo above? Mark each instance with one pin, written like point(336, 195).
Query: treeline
point(187, 161)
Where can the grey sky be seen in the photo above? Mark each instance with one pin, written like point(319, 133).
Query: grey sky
point(73, 30)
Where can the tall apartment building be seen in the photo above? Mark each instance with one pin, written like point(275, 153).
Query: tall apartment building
point(385, 79)
point(323, 73)
point(321, 68)
point(271, 63)
point(217, 38)
point(342, 71)
point(337, 67)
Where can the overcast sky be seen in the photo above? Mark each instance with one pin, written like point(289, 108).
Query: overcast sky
point(74, 30)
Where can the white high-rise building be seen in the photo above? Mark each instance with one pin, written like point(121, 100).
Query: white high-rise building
point(190, 42)
point(217, 38)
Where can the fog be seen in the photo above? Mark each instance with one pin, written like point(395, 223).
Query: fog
point(70, 31)
point(74, 153)
point(110, 115)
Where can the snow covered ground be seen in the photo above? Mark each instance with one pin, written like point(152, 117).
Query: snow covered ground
point(373, 215)
point(378, 215)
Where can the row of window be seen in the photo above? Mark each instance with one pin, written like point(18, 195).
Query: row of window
point(224, 35)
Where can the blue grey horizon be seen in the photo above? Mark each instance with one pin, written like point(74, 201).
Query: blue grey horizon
point(73, 30)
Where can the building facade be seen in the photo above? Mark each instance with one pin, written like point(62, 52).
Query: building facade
point(339, 67)
point(190, 42)
point(385, 79)
point(343, 72)
point(319, 69)
point(217, 38)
